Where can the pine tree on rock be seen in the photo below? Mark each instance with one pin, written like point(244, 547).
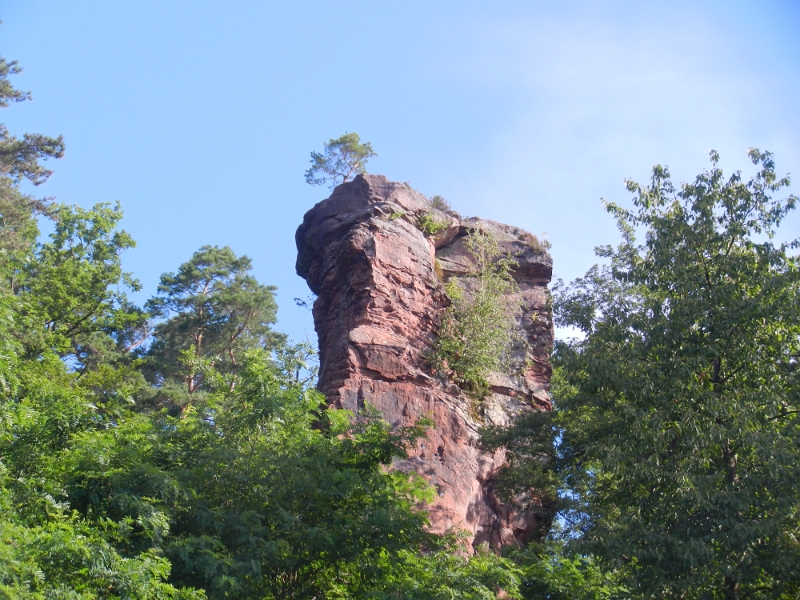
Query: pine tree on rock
point(343, 158)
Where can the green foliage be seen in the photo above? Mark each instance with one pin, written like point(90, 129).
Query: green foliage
point(20, 158)
point(213, 310)
point(430, 225)
point(49, 550)
point(8, 93)
point(75, 285)
point(549, 573)
point(446, 574)
point(529, 478)
point(69, 559)
point(476, 333)
point(288, 510)
point(680, 407)
point(18, 232)
point(248, 495)
point(342, 158)
point(258, 492)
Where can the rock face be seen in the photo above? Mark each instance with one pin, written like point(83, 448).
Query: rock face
point(378, 281)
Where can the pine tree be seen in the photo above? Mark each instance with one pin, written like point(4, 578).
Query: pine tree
point(343, 158)
point(213, 310)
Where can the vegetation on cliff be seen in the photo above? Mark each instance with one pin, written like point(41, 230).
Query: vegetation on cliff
point(476, 333)
point(180, 451)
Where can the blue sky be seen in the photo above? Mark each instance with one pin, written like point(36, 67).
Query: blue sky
point(199, 116)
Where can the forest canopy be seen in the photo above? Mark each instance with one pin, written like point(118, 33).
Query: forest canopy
point(180, 449)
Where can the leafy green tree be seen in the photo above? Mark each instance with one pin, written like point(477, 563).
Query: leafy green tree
point(18, 231)
point(74, 285)
point(548, 572)
point(257, 493)
point(48, 550)
point(445, 572)
point(70, 559)
point(342, 158)
point(213, 310)
point(70, 293)
point(680, 406)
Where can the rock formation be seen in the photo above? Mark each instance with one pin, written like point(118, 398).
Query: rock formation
point(378, 281)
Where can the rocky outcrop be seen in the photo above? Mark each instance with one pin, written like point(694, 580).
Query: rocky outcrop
point(378, 281)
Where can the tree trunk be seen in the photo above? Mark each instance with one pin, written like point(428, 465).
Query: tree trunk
point(731, 588)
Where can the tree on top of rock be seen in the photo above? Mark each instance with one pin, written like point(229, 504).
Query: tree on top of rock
point(342, 159)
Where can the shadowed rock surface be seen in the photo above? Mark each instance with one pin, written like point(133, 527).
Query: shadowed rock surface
point(379, 300)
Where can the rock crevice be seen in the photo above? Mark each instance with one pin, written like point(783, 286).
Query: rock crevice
point(379, 301)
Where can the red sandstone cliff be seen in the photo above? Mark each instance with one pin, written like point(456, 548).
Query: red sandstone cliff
point(378, 304)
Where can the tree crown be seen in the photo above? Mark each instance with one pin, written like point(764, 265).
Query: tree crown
point(341, 159)
point(679, 406)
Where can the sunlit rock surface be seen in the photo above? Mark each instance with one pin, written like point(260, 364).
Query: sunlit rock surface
point(378, 303)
